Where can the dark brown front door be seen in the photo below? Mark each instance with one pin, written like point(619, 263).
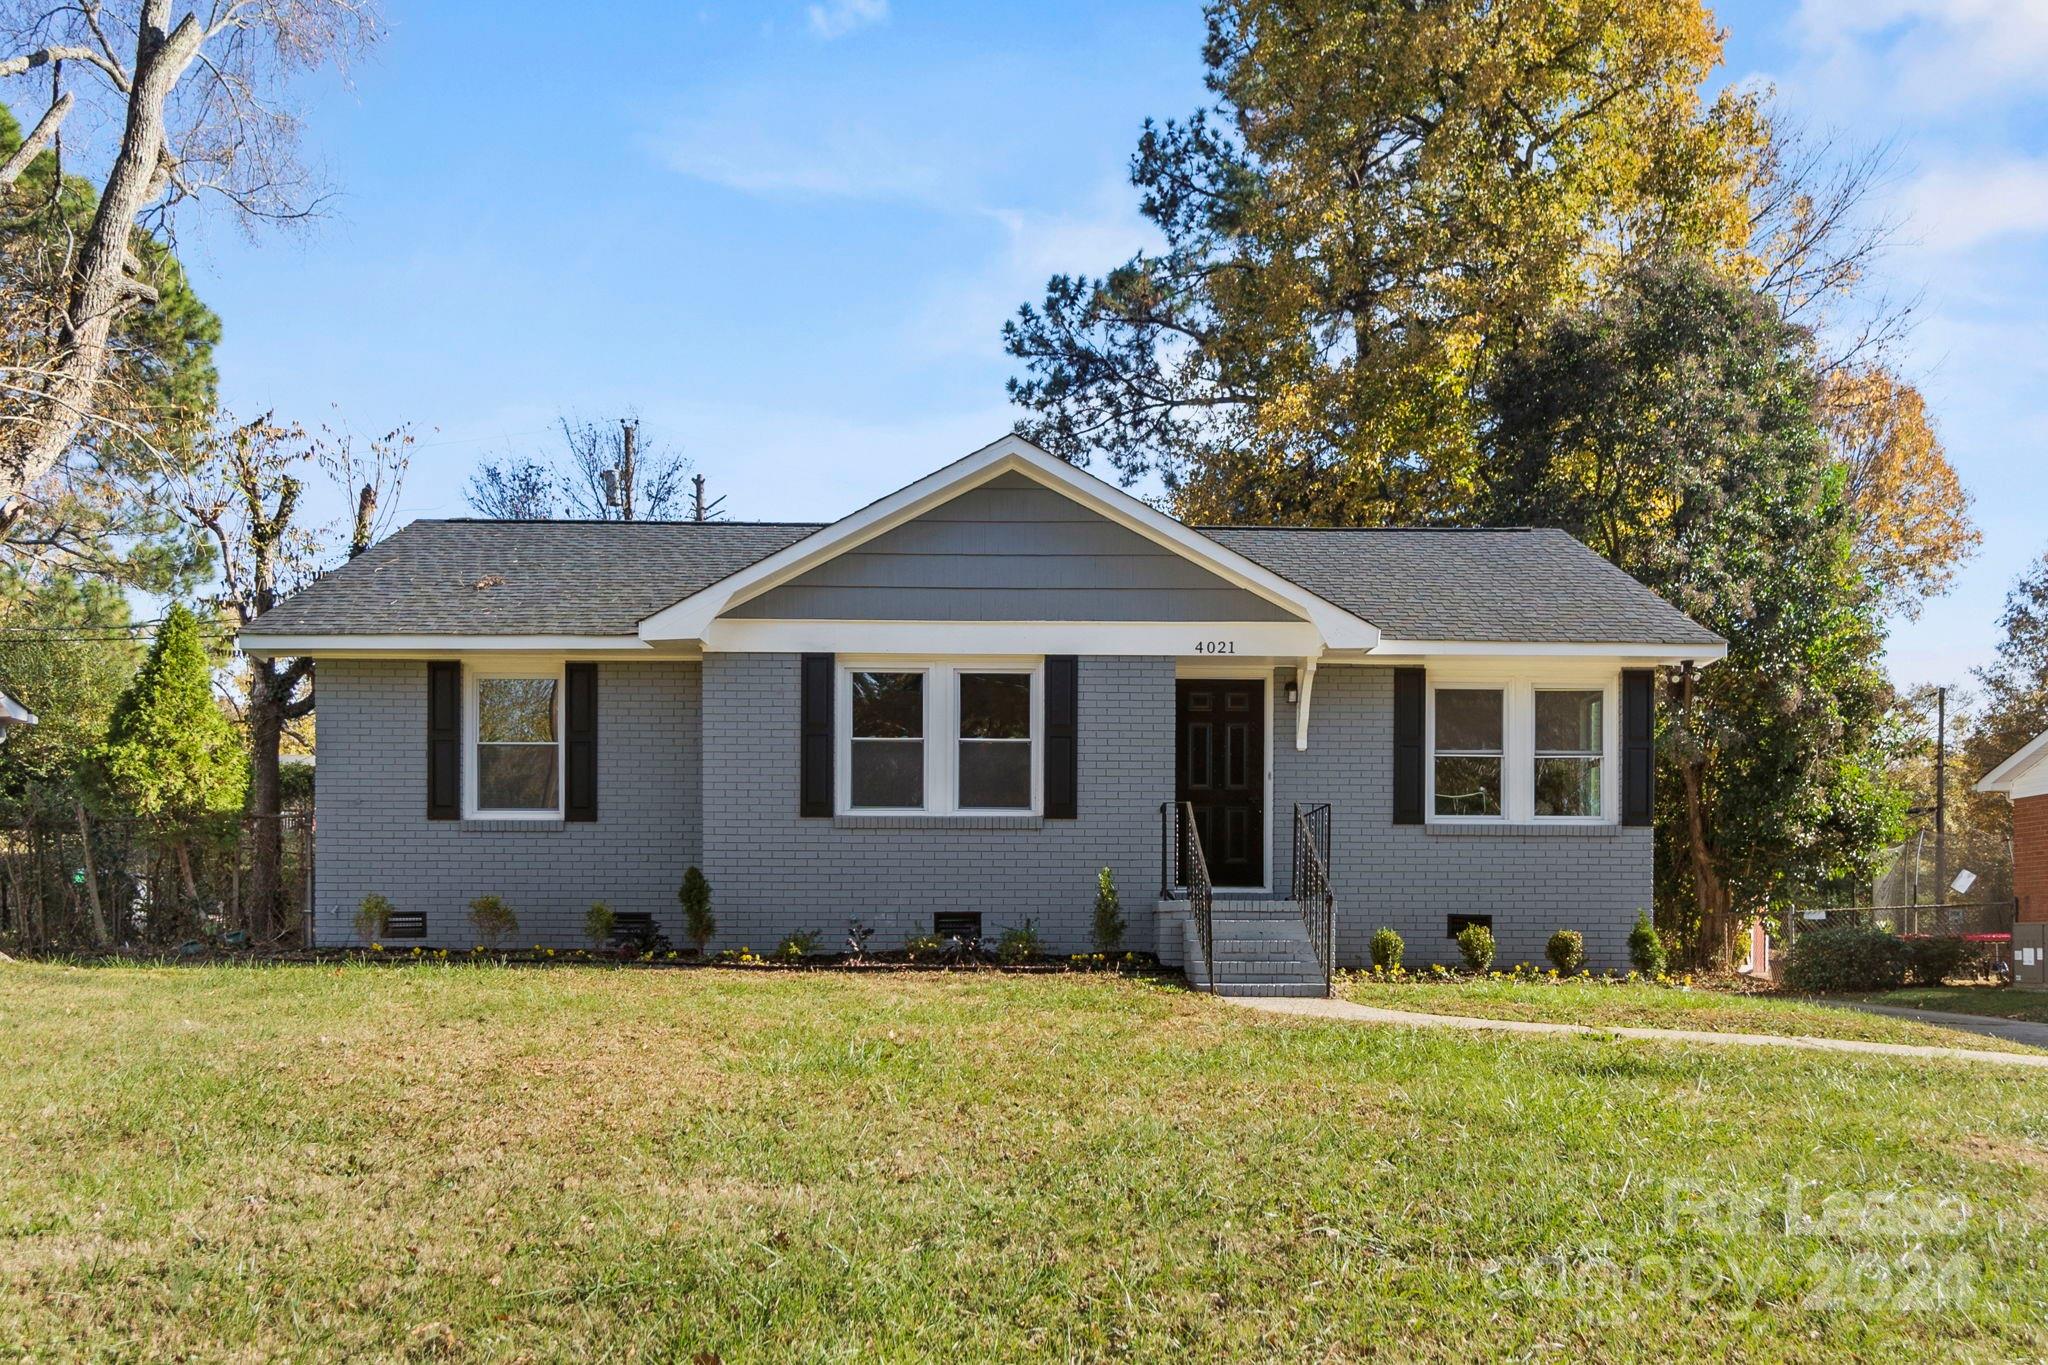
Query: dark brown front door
point(1220, 770)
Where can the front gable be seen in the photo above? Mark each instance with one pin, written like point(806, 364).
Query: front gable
point(1010, 549)
point(1011, 535)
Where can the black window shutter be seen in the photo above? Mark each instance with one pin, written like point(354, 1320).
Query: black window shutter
point(444, 741)
point(1409, 713)
point(579, 733)
point(814, 785)
point(1638, 746)
point(1062, 737)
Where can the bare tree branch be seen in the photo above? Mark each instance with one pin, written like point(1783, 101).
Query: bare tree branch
point(38, 138)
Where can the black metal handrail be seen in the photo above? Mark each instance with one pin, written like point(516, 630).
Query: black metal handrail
point(1311, 884)
point(1182, 867)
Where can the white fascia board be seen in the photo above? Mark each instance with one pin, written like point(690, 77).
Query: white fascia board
point(1219, 642)
point(422, 646)
point(13, 712)
point(1390, 649)
point(691, 618)
point(2013, 771)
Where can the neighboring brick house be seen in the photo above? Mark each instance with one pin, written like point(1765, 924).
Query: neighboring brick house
point(954, 706)
point(2024, 780)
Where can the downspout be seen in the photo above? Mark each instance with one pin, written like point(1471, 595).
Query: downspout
point(1307, 683)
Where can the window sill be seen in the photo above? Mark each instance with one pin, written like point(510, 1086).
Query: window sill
point(490, 824)
point(1540, 829)
point(937, 822)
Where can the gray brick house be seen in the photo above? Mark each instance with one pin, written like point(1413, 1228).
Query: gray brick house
point(955, 705)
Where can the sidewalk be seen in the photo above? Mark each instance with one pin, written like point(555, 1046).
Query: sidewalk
point(1368, 1014)
point(2010, 1030)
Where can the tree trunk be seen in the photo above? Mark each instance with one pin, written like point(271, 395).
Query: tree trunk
point(266, 800)
point(100, 286)
point(1713, 944)
point(185, 877)
point(1714, 939)
point(100, 936)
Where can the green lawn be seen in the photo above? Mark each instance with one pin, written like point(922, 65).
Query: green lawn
point(1997, 1002)
point(478, 1161)
point(1617, 1005)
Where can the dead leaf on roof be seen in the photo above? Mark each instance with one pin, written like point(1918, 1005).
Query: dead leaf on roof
point(489, 580)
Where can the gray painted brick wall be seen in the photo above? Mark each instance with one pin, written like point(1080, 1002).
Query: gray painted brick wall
point(1592, 879)
point(772, 872)
point(373, 834)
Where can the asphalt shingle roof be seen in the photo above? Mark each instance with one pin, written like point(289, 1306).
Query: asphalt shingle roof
point(523, 577)
point(1513, 584)
point(602, 578)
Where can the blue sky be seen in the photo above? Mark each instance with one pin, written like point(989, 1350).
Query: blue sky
point(787, 233)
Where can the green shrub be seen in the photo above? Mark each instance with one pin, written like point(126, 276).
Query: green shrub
point(923, 947)
point(1849, 958)
point(1646, 948)
point(1931, 961)
point(695, 894)
point(1109, 914)
point(598, 923)
point(1475, 945)
point(1566, 950)
point(798, 946)
point(493, 919)
point(1020, 945)
point(373, 918)
point(1386, 950)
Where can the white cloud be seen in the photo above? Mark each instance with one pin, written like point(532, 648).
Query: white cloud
point(1927, 56)
point(1955, 207)
point(838, 18)
point(759, 152)
point(964, 314)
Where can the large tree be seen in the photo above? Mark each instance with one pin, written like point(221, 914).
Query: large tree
point(1675, 427)
point(245, 497)
point(97, 510)
point(197, 98)
point(1387, 196)
point(1384, 194)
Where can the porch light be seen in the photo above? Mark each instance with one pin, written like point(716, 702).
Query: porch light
point(1293, 691)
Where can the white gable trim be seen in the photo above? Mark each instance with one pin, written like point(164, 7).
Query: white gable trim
point(691, 618)
point(2011, 776)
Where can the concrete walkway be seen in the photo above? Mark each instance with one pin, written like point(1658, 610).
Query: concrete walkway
point(2009, 1030)
point(1368, 1014)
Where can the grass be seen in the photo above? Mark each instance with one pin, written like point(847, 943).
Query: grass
point(1638, 1005)
point(482, 1162)
point(1996, 1002)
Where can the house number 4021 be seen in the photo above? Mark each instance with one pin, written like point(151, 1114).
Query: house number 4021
point(1215, 646)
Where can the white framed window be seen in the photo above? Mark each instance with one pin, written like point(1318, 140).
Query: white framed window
point(886, 728)
point(995, 767)
point(959, 737)
point(1468, 759)
point(1516, 749)
point(1571, 752)
point(513, 718)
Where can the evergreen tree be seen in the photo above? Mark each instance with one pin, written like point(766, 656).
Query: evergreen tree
point(172, 757)
point(1674, 428)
